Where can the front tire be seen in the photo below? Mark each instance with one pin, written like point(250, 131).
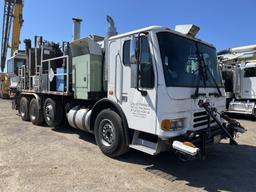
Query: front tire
point(109, 133)
point(53, 112)
point(36, 113)
point(24, 109)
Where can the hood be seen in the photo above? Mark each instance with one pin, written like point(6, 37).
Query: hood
point(179, 99)
point(180, 93)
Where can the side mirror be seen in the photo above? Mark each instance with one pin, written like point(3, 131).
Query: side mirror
point(134, 76)
point(133, 49)
point(134, 63)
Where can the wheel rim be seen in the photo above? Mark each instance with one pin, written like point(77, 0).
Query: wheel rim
point(33, 112)
point(22, 110)
point(49, 112)
point(22, 114)
point(107, 132)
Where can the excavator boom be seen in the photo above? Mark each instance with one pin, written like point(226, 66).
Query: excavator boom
point(12, 19)
point(17, 24)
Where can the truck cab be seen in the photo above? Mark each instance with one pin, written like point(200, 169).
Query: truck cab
point(238, 67)
point(248, 82)
point(158, 94)
point(14, 63)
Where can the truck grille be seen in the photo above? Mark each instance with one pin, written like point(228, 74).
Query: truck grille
point(201, 119)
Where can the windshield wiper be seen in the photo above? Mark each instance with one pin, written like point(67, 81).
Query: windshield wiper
point(201, 71)
point(214, 80)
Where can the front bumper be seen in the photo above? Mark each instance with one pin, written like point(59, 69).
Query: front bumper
point(212, 134)
point(200, 140)
point(243, 107)
point(208, 135)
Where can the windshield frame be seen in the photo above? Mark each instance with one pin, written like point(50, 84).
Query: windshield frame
point(197, 42)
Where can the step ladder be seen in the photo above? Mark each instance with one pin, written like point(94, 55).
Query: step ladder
point(21, 77)
point(145, 145)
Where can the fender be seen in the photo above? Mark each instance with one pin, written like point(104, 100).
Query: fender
point(38, 98)
point(107, 103)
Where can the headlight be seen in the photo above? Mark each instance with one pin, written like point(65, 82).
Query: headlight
point(172, 124)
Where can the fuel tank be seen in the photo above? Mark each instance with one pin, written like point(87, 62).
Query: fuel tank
point(79, 118)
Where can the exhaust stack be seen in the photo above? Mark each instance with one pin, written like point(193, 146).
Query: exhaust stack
point(111, 30)
point(76, 28)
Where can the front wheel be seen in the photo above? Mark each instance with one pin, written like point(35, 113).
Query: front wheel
point(109, 133)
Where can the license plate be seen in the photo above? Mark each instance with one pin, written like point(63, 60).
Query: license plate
point(216, 139)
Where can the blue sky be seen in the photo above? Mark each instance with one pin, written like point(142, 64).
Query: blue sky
point(223, 23)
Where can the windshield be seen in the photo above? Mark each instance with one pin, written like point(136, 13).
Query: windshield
point(14, 64)
point(10, 66)
point(182, 58)
point(250, 72)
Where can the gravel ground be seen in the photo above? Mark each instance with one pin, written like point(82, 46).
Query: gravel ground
point(36, 158)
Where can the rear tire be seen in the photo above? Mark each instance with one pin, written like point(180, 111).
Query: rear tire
point(254, 115)
point(24, 109)
point(53, 112)
point(5, 96)
point(109, 133)
point(36, 113)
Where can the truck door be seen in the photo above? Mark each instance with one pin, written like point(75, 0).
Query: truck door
point(248, 83)
point(140, 110)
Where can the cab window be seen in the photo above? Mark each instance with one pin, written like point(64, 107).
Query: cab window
point(147, 78)
point(126, 53)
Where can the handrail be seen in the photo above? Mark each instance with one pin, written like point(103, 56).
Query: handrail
point(117, 99)
point(64, 57)
point(55, 58)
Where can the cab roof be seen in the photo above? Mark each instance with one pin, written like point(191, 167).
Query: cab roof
point(157, 28)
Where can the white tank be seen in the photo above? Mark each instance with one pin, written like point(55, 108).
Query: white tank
point(79, 118)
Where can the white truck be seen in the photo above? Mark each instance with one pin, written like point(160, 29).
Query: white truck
point(238, 67)
point(152, 89)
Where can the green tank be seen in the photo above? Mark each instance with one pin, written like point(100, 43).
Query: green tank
point(86, 69)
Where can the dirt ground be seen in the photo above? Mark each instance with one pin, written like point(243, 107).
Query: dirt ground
point(46, 159)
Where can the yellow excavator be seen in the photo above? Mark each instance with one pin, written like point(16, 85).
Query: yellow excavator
point(4, 85)
point(12, 20)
